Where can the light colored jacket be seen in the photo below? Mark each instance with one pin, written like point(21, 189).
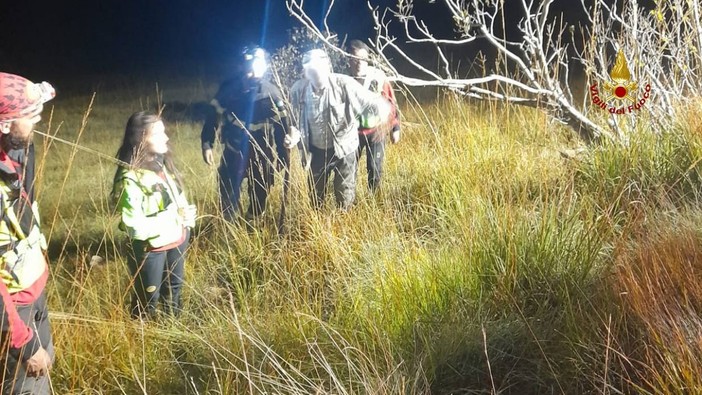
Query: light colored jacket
point(347, 99)
point(149, 206)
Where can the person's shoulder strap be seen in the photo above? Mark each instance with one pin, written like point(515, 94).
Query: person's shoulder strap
point(133, 175)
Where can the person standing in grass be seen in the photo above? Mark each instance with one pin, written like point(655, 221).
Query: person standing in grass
point(250, 111)
point(155, 213)
point(27, 346)
point(327, 107)
point(373, 130)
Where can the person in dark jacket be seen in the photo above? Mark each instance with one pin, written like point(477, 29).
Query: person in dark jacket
point(250, 113)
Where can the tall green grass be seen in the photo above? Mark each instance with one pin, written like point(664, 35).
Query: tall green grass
point(487, 264)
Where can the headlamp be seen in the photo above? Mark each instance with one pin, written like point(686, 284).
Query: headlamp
point(258, 67)
point(256, 62)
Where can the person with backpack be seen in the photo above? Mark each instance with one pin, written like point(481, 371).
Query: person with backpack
point(327, 107)
point(373, 131)
point(27, 345)
point(155, 214)
point(250, 111)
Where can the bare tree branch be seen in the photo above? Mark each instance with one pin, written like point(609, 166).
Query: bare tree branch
point(663, 47)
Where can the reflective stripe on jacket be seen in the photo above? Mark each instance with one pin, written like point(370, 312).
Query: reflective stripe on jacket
point(150, 206)
point(376, 82)
point(23, 261)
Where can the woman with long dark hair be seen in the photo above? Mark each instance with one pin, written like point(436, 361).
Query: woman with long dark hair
point(155, 213)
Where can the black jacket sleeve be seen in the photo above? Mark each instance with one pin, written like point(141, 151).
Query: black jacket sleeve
point(213, 121)
point(282, 124)
point(209, 129)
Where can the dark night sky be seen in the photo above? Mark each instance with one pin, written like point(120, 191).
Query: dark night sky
point(47, 39)
point(111, 35)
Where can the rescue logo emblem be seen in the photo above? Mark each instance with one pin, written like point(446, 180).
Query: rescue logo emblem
point(619, 95)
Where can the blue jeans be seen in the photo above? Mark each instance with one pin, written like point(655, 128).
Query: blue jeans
point(157, 276)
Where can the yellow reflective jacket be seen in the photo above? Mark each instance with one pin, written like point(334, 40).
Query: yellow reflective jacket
point(151, 206)
point(22, 259)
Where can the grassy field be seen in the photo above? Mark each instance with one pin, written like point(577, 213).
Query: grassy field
point(489, 264)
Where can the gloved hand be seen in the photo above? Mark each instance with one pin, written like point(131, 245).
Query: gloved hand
point(292, 138)
point(395, 136)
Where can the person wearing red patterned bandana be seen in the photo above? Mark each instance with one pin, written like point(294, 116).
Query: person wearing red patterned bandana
point(27, 352)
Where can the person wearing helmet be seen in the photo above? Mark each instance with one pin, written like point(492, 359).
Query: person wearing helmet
point(372, 130)
point(250, 112)
point(327, 107)
point(28, 350)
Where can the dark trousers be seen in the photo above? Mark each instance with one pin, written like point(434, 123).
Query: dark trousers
point(157, 276)
point(323, 164)
point(257, 163)
point(15, 380)
point(375, 155)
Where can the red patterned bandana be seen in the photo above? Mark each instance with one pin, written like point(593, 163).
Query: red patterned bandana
point(21, 98)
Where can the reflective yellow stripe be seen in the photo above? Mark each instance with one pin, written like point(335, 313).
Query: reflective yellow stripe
point(255, 127)
point(218, 107)
point(25, 263)
point(152, 194)
point(370, 122)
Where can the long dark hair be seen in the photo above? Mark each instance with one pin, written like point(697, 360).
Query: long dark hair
point(133, 152)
